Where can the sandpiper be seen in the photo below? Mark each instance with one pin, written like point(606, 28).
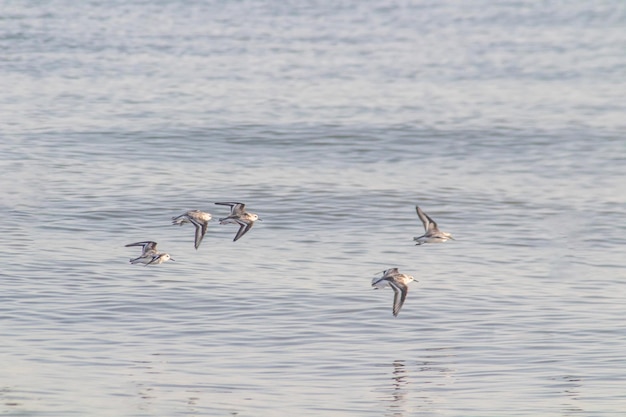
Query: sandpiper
point(398, 282)
point(239, 216)
point(433, 234)
point(149, 254)
point(199, 219)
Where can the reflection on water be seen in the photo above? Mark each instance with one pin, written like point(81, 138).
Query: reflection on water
point(153, 386)
point(569, 386)
point(7, 397)
point(399, 389)
point(413, 382)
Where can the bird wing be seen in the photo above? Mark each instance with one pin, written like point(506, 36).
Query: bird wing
point(200, 231)
point(155, 258)
point(235, 208)
point(180, 219)
point(243, 229)
point(391, 271)
point(376, 281)
point(147, 245)
point(428, 223)
point(399, 295)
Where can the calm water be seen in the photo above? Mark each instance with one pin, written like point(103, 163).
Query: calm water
point(505, 122)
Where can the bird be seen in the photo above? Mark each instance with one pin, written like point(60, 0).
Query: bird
point(398, 282)
point(239, 216)
point(149, 254)
point(432, 233)
point(199, 219)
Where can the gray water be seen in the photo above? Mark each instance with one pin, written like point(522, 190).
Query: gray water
point(331, 120)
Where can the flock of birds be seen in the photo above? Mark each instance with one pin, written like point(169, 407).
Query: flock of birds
point(238, 215)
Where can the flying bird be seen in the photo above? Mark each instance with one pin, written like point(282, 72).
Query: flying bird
point(199, 219)
point(398, 283)
point(433, 234)
point(239, 215)
point(149, 254)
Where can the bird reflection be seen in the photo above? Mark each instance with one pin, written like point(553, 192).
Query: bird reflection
point(414, 384)
point(571, 389)
point(399, 380)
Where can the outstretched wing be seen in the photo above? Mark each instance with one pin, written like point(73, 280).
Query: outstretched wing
point(243, 229)
point(390, 272)
point(428, 223)
point(147, 245)
point(200, 231)
point(235, 208)
point(399, 295)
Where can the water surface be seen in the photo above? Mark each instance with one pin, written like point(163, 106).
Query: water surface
point(503, 122)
